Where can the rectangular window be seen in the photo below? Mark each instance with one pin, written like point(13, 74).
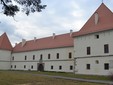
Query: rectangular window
point(88, 66)
point(88, 50)
point(11, 66)
point(32, 67)
point(15, 66)
point(106, 66)
point(97, 36)
point(24, 66)
point(13, 58)
point(51, 67)
point(71, 67)
point(25, 57)
point(33, 57)
point(57, 55)
point(41, 56)
point(49, 56)
point(60, 67)
point(106, 48)
point(70, 55)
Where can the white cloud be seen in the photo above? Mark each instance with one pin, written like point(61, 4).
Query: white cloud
point(59, 17)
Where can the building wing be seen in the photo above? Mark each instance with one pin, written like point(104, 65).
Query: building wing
point(56, 41)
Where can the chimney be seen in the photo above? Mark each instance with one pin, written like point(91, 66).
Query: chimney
point(15, 44)
point(23, 42)
point(71, 32)
point(53, 35)
point(34, 39)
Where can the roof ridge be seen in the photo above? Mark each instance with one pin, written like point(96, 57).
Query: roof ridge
point(100, 20)
point(105, 6)
point(95, 12)
point(46, 43)
point(45, 37)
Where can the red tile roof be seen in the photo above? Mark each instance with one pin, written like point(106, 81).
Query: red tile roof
point(63, 40)
point(5, 43)
point(105, 22)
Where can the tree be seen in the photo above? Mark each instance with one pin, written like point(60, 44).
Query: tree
point(27, 6)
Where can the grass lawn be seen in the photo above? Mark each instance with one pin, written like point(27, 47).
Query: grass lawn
point(22, 78)
point(93, 77)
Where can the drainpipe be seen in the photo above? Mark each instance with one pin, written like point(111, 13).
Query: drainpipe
point(74, 59)
point(10, 62)
point(75, 65)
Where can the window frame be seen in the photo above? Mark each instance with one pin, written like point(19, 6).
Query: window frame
point(13, 58)
point(11, 66)
point(88, 50)
point(15, 66)
point(57, 56)
point(52, 67)
point(25, 57)
point(97, 36)
point(106, 66)
point(106, 48)
point(60, 67)
point(41, 56)
point(70, 55)
point(24, 66)
point(49, 56)
point(88, 66)
point(33, 57)
point(31, 66)
point(71, 67)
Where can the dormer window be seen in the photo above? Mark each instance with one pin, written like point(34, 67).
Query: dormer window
point(96, 18)
point(97, 36)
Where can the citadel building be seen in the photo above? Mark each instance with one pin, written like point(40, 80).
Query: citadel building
point(88, 51)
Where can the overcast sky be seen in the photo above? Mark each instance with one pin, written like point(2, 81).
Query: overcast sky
point(59, 17)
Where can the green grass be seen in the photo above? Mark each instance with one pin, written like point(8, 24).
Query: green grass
point(93, 77)
point(25, 78)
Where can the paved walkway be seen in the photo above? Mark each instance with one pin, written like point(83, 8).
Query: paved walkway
point(77, 79)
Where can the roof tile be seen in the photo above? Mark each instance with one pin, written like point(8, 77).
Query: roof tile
point(5, 43)
point(63, 40)
point(105, 22)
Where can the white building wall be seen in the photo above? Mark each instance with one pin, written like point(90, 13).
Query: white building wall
point(64, 61)
point(95, 69)
point(65, 66)
point(20, 65)
point(97, 52)
point(97, 45)
point(5, 59)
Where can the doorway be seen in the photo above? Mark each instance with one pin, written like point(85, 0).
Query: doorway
point(40, 67)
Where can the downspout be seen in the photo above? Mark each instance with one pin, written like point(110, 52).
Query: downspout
point(75, 65)
point(10, 60)
point(74, 61)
